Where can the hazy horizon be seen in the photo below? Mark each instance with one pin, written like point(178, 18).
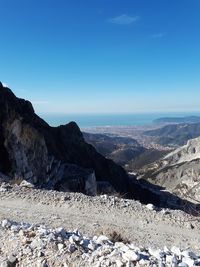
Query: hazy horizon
point(107, 56)
point(115, 119)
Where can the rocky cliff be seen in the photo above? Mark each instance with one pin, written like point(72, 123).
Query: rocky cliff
point(179, 171)
point(54, 157)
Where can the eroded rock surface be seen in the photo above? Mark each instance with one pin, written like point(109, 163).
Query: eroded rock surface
point(50, 156)
point(179, 171)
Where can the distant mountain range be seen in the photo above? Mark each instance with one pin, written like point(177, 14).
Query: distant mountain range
point(187, 119)
point(175, 134)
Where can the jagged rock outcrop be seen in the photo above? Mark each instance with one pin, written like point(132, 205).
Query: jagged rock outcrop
point(50, 156)
point(188, 152)
point(179, 171)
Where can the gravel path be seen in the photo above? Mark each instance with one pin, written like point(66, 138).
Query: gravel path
point(97, 215)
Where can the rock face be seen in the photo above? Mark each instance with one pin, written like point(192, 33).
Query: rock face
point(50, 156)
point(179, 171)
point(188, 152)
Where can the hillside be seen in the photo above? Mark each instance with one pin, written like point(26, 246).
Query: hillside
point(179, 171)
point(175, 135)
point(120, 149)
point(51, 157)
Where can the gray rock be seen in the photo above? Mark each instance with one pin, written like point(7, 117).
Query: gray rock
point(72, 248)
point(6, 223)
point(11, 261)
point(25, 183)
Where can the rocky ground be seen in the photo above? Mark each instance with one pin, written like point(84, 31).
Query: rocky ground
point(49, 228)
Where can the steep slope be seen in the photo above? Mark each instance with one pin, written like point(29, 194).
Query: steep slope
point(179, 171)
point(188, 152)
point(144, 159)
point(175, 135)
point(30, 149)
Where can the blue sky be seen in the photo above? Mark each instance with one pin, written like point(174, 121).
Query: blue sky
point(102, 56)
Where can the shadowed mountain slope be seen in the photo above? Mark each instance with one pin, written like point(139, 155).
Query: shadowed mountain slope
point(30, 149)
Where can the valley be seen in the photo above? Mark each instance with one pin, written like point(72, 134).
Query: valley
point(99, 196)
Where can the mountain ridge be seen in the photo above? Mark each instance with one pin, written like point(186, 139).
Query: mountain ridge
point(186, 119)
point(31, 149)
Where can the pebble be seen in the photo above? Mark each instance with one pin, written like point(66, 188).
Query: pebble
point(130, 255)
point(34, 242)
point(150, 206)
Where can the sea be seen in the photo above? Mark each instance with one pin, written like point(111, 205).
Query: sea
point(98, 120)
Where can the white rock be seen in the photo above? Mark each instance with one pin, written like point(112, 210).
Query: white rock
point(167, 250)
point(74, 239)
point(37, 243)
point(169, 259)
point(161, 264)
point(115, 253)
point(174, 259)
point(6, 223)
point(156, 253)
point(51, 237)
point(133, 247)
point(189, 254)
point(119, 245)
point(15, 228)
point(150, 206)
point(95, 238)
point(119, 263)
point(91, 246)
point(124, 248)
point(188, 261)
point(131, 255)
point(176, 250)
point(60, 246)
point(25, 183)
point(102, 239)
point(43, 231)
point(143, 262)
point(183, 264)
point(61, 231)
point(12, 260)
point(3, 189)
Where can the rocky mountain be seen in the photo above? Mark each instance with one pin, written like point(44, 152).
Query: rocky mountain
point(179, 171)
point(53, 157)
point(120, 149)
point(175, 134)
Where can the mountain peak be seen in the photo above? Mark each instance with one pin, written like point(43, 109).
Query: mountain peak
point(46, 156)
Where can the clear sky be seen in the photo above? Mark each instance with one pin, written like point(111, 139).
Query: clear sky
point(102, 56)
